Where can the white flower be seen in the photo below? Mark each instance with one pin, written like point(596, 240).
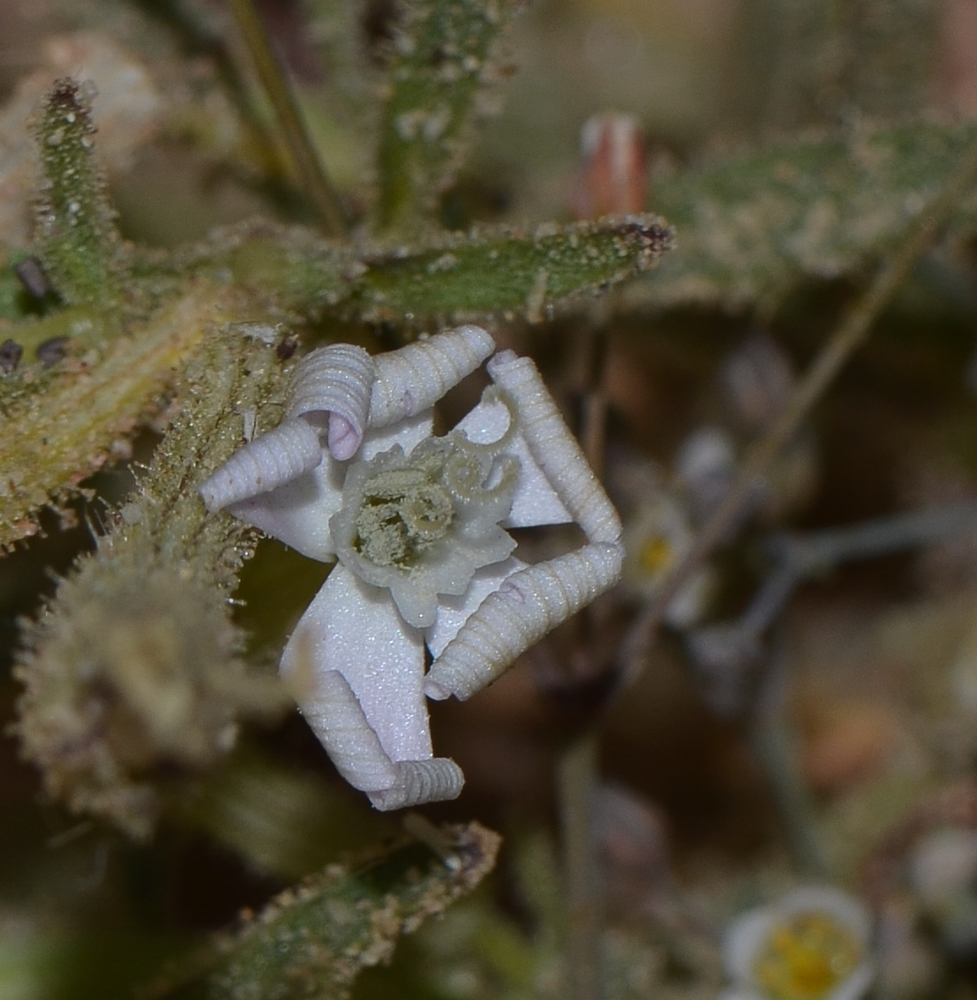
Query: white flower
point(657, 539)
point(418, 526)
point(813, 944)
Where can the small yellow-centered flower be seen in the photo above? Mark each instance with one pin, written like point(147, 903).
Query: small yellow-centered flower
point(813, 944)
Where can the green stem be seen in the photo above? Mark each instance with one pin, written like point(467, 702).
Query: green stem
point(579, 767)
point(775, 744)
point(577, 780)
point(311, 173)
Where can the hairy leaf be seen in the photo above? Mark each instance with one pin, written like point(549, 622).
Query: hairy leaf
point(454, 276)
point(501, 270)
point(74, 223)
point(61, 423)
point(312, 941)
point(443, 57)
point(816, 64)
point(750, 228)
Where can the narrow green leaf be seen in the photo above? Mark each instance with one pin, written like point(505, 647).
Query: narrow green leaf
point(490, 271)
point(312, 941)
point(74, 222)
point(444, 55)
point(294, 267)
point(502, 270)
point(61, 423)
point(752, 227)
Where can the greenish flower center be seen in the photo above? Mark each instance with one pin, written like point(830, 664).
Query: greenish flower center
point(422, 524)
point(403, 513)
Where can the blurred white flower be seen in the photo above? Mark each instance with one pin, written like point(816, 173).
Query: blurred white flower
point(705, 470)
point(813, 944)
point(656, 539)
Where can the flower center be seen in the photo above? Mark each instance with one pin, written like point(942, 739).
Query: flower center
point(422, 524)
point(403, 513)
point(656, 555)
point(806, 957)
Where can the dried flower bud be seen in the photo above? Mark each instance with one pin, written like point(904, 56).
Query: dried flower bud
point(613, 177)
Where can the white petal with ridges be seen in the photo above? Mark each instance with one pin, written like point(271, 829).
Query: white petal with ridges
point(352, 745)
point(453, 612)
point(336, 380)
point(535, 502)
point(556, 450)
point(420, 781)
point(355, 629)
point(297, 513)
point(415, 377)
point(290, 450)
point(526, 606)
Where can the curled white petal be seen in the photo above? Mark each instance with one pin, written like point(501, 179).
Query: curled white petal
point(535, 501)
point(297, 512)
point(414, 378)
point(528, 605)
point(337, 380)
point(281, 455)
point(453, 612)
point(555, 449)
point(355, 629)
point(420, 781)
point(346, 735)
point(355, 750)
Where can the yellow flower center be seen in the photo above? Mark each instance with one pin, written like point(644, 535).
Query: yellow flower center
point(806, 957)
point(656, 555)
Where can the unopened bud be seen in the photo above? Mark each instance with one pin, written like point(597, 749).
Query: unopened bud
point(613, 177)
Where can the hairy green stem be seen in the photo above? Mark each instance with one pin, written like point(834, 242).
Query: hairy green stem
point(443, 58)
point(133, 674)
